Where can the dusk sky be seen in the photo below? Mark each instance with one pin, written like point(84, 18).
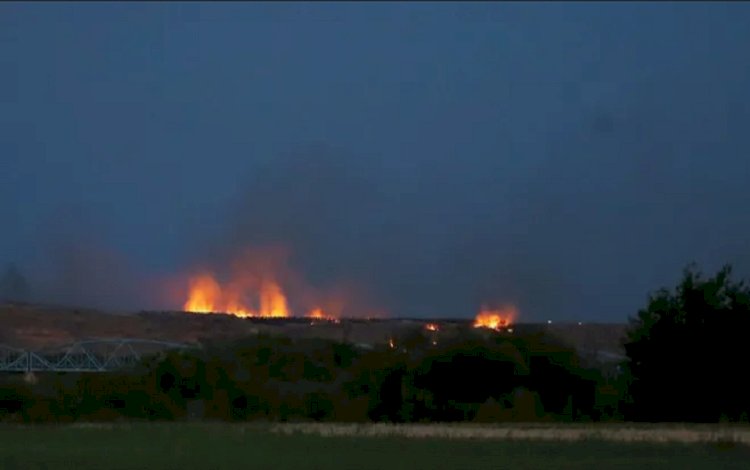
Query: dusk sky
point(565, 158)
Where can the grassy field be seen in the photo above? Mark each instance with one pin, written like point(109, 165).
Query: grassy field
point(214, 446)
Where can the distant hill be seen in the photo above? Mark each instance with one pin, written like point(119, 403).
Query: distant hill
point(36, 326)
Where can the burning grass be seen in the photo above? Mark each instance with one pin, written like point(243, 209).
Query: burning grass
point(495, 319)
point(256, 287)
point(206, 295)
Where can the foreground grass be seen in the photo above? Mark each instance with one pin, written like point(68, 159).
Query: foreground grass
point(212, 446)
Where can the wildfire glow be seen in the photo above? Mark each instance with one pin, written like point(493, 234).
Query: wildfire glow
point(206, 295)
point(319, 314)
point(272, 301)
point(316, 314)
point(432, 327)
point(495, 319)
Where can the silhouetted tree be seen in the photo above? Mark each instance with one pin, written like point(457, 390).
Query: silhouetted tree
point(13, 285)
point(482, 376)
point(687, 351)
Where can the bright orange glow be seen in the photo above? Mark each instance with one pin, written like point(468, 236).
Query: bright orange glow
point(258, 281)
point(391, 343)
point(205, 295)
point(316, 314)
point(319, 314)
point(495, 319)
point(432, 327)
point(272, 301)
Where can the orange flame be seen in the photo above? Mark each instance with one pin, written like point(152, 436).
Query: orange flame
point(207, 296)
point(319, 314)
point(495, 319)
point(204, 294)
point(316, 314)
point(432, 327)
point(272, 301)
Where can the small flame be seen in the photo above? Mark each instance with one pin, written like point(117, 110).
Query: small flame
point(391, 343)
point(319, 314)
point(432, 327)
point(495, 319)
point(316, 314)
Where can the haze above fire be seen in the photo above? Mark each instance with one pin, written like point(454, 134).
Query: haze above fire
point(412, 159)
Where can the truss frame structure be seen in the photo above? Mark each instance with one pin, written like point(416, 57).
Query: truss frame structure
point(91, 355)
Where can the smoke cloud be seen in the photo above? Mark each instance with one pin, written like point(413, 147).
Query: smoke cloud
point(354, 226)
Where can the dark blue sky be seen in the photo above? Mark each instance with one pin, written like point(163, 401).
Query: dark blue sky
point(569, 158)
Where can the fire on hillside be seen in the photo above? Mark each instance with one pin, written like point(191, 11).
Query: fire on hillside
point(206, 296)
point(495, 319)
point(253, 290)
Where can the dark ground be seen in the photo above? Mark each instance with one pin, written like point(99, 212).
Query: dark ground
point(214, 446)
